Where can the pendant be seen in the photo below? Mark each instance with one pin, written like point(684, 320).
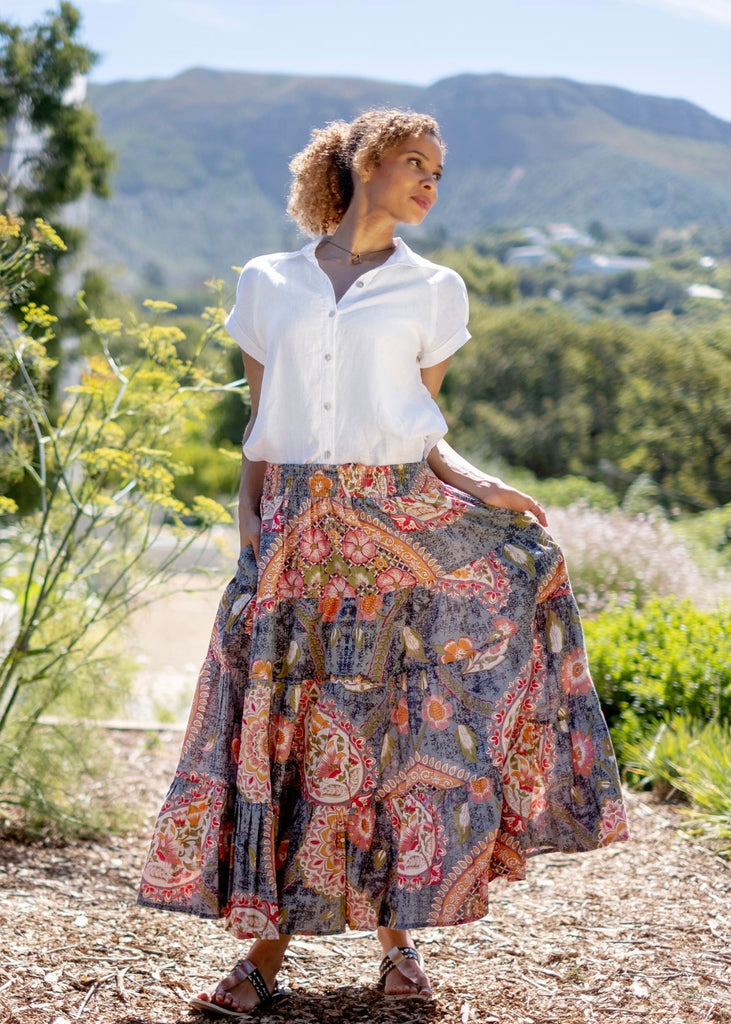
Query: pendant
point(355, 258)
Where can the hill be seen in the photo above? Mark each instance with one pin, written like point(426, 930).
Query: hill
point(202, 171)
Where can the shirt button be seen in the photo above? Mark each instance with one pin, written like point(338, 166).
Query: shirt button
point(359, 284)
point(332, 313)
point(327, 405)
point(328, 357)
point(326, 454)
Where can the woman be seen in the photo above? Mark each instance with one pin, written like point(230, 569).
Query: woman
point(396, 706)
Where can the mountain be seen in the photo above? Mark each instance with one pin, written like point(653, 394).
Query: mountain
point(202, 170)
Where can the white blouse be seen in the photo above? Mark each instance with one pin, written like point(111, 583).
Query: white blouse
point(341, 379)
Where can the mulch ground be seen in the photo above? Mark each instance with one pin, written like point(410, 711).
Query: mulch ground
point(639, 931)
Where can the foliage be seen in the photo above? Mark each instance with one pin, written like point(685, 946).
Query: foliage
point(97, 540)
point(691, 758)
point(38, 66)
point(560, 491)
point(486, 278)
point(708, 537)
point(209, 470)
point(538, 388)
point(665, 659)
point(674, 412)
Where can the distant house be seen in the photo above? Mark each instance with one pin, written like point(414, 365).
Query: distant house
point(704, 291)
point(601, 263)
point(566, 234)
point(535, 236)
point(528, 256)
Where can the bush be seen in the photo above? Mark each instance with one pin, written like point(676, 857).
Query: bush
point(210, 470)
point(654, 663)
point(563, 491)
point(75, 565)
point(691, 759)
point(708, 536)
point(556, 492)
point(616, 560)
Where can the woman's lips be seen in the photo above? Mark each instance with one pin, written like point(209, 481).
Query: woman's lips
point(422, 201)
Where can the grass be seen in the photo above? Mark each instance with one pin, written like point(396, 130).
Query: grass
point(690, 760)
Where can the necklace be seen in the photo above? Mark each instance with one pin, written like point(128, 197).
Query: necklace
point(358, 257)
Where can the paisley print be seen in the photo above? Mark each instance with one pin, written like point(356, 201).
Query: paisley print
point(395, 709)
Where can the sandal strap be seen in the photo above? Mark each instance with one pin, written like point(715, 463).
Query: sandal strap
point(394, 957)
point(244, 970)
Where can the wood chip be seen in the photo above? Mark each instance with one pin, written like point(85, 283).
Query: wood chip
point(639, 932)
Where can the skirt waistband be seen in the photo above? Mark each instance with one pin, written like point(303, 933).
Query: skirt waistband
point(345, 480)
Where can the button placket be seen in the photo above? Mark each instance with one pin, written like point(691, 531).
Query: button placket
point(327, 420)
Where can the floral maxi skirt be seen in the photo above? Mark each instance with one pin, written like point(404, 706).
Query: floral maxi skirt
point(395, 708)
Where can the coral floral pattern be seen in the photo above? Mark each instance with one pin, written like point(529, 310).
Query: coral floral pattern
point(395, 709)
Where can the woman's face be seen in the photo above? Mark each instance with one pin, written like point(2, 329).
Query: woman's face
point(404, 184)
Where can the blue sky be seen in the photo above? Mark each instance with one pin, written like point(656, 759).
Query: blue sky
point(676, 48)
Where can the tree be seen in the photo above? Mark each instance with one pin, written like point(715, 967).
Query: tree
point(38, 67)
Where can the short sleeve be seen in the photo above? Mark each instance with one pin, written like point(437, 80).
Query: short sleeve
point(240, 322)
point(451, 314)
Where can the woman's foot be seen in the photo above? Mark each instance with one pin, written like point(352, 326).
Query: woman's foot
point(237, 992)
point(406, 979)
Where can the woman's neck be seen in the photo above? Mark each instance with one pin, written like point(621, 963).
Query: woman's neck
point(359, 233)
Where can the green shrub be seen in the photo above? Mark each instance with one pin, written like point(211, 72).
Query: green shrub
point(562, 491)
point(214, 471)
point(104, 530)
point(708, 536)
point(692, 759)
point(666, 659)
point(556, 492)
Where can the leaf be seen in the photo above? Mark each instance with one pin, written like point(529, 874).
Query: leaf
point(294, 697)
point(413, 644)
point(519, 556)
point(554, 632)
point(291, 657)
point(387, 749)
point(462, 822)
point(467, 742)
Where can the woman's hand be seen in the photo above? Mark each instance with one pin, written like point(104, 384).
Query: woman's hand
point(496, 492)
point(450, 467)
point(249, 529)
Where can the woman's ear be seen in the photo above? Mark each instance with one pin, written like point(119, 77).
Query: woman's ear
point(362, 170)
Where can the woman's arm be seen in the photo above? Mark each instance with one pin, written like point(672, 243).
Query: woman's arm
point(450, 467)
point(252, 473)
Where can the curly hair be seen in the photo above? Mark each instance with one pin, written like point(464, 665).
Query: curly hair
point(322, 178)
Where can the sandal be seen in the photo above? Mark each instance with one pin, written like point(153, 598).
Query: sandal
point(393, 959)
point(244, 970)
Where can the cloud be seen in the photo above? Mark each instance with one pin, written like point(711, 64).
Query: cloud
point(717, 11)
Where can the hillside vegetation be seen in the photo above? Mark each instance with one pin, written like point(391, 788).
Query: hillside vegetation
point(203, 157)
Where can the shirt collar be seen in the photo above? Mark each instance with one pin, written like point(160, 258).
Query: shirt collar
point(401, 254)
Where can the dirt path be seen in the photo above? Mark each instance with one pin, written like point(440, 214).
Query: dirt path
point(637, 931)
